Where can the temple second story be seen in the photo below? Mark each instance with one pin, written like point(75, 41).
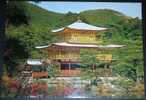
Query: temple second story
point(80, 32)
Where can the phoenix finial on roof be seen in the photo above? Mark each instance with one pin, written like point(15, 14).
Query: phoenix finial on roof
point(78, 19)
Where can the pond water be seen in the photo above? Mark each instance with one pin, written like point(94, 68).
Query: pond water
point(80, 89)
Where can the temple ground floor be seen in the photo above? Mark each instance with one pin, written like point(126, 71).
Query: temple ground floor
point(75, 69)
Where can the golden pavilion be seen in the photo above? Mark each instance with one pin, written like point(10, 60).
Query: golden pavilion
point(77, 36)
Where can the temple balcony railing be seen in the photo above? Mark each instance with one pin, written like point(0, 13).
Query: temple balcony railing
point(69, 73)
point(102, 72)
point(64, 57)
point(101, 57)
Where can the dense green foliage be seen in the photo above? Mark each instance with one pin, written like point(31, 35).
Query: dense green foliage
point(102, 17)
point(122, 30)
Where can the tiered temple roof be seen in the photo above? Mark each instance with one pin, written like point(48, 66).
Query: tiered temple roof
point(79, 25)
point(65, 44)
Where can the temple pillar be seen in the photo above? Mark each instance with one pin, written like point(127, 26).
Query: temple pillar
point(110, 67)
point(105, 70)
point(60, 66)
point(69, 67)
point(93, 67)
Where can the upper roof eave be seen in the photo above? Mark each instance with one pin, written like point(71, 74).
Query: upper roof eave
point(64, 44)
point(81, 26)
point(88, 45)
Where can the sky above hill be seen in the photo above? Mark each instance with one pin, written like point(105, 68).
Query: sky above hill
point(129, 9)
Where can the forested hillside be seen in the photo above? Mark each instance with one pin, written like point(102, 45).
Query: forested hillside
point(21, 40)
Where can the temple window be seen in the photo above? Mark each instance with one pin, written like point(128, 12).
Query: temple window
point(65, 66)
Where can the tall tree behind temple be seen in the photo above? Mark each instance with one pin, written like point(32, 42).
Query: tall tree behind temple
point(16, 15)
point(2, 36)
